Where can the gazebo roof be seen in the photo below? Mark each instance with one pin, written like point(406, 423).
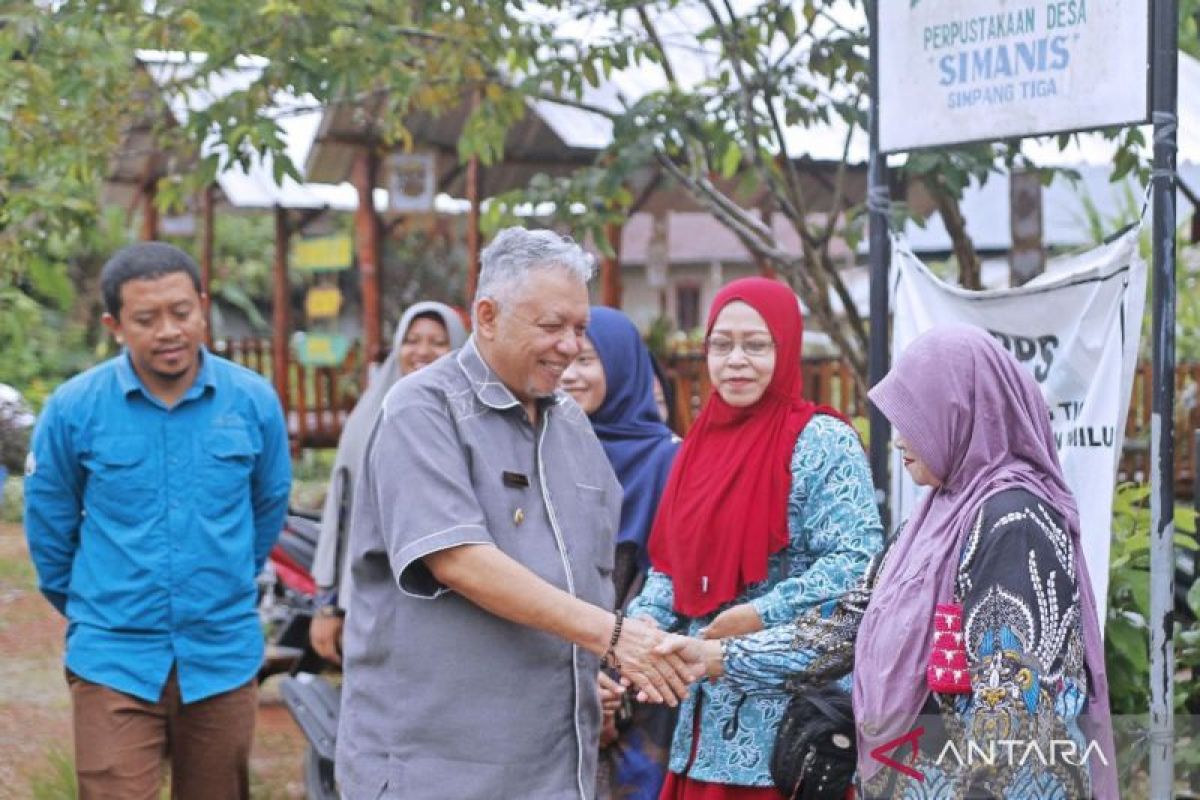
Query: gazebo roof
point(140, 158)
point(552, 138)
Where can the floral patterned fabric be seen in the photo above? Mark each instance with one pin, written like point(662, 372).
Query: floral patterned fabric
point(834, 531)
point(1018, 587)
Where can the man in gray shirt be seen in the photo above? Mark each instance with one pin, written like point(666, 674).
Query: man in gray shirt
point(481, 549)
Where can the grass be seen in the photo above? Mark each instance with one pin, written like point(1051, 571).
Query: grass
point(11, 499)
point(55, 779)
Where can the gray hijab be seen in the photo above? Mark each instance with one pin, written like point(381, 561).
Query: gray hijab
point(357, 431)
point(980, 423)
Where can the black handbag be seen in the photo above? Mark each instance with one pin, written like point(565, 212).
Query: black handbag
point(815, 753)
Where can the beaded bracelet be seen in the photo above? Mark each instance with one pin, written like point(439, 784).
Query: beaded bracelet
point(609, 659)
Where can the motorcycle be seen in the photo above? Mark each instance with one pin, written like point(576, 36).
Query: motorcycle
point(287, 602)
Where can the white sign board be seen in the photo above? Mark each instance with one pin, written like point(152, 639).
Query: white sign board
point(954, 71)
point(1075, 328)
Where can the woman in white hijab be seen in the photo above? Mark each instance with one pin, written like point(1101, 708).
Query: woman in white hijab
point(427, 331)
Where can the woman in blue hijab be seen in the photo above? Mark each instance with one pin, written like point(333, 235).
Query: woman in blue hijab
point(612, 379)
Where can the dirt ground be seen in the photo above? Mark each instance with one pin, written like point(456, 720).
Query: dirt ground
point(35, 734)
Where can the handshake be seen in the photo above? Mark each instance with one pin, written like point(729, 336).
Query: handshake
point(663, 665)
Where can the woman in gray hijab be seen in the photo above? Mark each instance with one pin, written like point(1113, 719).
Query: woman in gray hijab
point(427, 331)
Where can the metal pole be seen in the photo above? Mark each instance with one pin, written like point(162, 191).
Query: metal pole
point(1162, 408)
point(880, 254)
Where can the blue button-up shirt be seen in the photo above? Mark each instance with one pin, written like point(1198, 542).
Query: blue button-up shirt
point(148, 524)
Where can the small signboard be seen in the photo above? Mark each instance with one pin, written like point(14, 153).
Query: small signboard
point(322, 253)
point(323, 302)
point(321, 349)
point(954, 71)
point(411, 182)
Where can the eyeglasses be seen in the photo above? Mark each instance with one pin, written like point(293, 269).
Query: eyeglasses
point(755, 347)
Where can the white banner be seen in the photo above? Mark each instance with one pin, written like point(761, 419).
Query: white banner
point(968, 70)
point(1076, 329)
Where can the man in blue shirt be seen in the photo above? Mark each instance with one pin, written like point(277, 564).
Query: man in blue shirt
point(156, 484)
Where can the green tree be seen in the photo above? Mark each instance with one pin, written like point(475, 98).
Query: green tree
point(714, 92)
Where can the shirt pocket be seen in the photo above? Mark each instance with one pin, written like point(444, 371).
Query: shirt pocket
point(122, 478)
point(602, 543)
point(227, 459)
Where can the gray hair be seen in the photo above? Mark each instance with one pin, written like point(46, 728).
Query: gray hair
point(515, 252)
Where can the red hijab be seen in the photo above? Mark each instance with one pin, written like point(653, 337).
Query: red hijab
point(724, 510)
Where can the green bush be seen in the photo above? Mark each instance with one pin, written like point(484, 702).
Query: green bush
point(1127, 634)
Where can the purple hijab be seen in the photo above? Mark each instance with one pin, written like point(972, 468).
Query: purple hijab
point(978, 421)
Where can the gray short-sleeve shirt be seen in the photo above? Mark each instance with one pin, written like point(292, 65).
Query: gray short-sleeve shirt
point(441, 698)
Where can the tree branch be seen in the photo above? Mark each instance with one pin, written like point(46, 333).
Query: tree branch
point(969, 273)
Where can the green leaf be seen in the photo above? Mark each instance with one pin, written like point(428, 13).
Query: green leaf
point(1130, 642)
point(1185, 522)
point(589, 73)
point(787, 21)
point(1139, 587)
point(730, 160)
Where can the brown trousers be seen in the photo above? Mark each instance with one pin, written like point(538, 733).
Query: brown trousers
point(121, 743)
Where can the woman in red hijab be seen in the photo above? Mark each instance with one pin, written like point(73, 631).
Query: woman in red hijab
point(769, 510)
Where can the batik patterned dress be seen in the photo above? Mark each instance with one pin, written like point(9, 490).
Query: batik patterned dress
point(834, 533)
point(1016, 734)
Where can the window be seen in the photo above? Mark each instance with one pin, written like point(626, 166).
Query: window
point(687, 307)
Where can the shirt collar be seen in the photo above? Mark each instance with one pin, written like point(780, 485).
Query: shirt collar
point(128, 380)
point(487, 385)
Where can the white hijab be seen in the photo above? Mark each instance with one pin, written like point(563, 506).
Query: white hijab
point(356, 432)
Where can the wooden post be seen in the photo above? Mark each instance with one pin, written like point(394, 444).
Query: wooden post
point(206, 257)
point(366, 243)
point(280, 310)
point(474, 240)
point(149, 232)
point(764, 266)
point(1027, 256)
point(610, 268)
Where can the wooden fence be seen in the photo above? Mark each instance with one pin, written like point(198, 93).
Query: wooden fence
point(320, 398)
point(829, 381)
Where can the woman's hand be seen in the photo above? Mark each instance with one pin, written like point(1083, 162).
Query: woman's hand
point(740, 619)
point(704, 651)
point(610, 702)
point(610, 694)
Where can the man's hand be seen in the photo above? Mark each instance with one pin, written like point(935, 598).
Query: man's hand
point(661, 677)
point(325, 634)
point(734, 621)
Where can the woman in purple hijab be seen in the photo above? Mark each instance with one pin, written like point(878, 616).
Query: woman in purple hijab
point(981, 620)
